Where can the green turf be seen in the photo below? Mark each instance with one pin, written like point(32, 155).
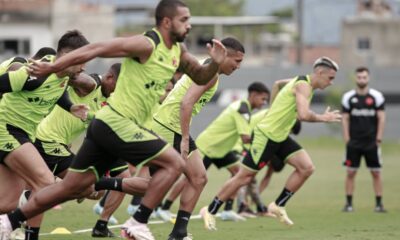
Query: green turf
point(315, 209)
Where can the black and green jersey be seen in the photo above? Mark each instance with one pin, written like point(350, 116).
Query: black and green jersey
point(282, 114)
point(30, 99)
point(169, 112)
point(222, 134)
point(140, 85)
point(61, 126)
point(7, 63)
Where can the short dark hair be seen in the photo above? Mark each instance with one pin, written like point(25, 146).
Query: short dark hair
point(167, 8)
point(116, 69)
point(362, 69)
point(233, 43)
point(43, 52)
point(71, 40)
point(258, 87)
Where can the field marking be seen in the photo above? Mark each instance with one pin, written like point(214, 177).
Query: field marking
point(119, 225)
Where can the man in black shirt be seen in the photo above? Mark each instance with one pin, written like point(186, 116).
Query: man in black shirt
point(363, 123)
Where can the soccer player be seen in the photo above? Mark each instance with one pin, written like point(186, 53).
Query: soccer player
point(271, 137)
point(172, 122)
point(217, 140)
point(363, 125)
point(116, 132)
point(59, 129)
point(26, 101)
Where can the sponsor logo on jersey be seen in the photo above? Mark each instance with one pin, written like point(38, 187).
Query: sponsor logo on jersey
point(364, 112)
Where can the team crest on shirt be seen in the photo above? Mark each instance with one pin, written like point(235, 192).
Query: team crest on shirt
point(174, 62)
point(369, 101)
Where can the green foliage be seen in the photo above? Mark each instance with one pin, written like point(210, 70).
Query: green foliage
point(215, 7)
point(286, 12)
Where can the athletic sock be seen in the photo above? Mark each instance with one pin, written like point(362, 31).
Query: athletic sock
point(136, 200)
point(349, 200)
point(103, 199)
point(16, 218)
point(378, 200)
point(142, 214)
point(101, 224)
point(109, 184)
point(262, 208)
point(31, 233)
point(167, 205)
point(180, 227)
point(228, 205)
point(215, 205)
point(284, 197)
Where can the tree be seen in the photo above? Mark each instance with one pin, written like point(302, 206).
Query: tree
point(215, 7)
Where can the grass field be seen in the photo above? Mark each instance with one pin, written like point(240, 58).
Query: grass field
point(315, 209)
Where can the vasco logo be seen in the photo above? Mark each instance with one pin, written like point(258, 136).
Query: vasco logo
point(42, 101)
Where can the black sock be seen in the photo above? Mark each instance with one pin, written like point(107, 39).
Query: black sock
point(215, 205)
point(349, 200)
point(262, 208)
point(378, 200)
point(228, 205)
point(167, 205)
point(180, 227)
point(16, 218)
point(136, 200)
point(101, 224)
point(142, 214)
point(109, 184)
point(241, 207)
point(103, 199)
point(284, 197)
point(31, 233)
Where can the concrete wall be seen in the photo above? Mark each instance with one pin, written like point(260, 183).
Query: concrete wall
point(384, 45)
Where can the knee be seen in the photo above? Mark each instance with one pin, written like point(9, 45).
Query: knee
point(308, 170)
point(200, 180)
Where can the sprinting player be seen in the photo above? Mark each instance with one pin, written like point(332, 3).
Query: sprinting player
point(363, 125)
point(14, 63)
point(218, 139)
point(271, 137)
point(26, 101)
point(172, 122)
point(117, 132)
point(58, 130)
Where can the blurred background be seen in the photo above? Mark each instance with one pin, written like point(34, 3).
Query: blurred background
point(282, 38)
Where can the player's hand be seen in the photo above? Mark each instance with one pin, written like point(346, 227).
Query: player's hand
point(332, 116)
point(39, 69)
point(80, 111)
point(217, 51)
point(185, 148)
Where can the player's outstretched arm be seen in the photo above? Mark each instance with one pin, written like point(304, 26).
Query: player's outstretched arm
point(191, 97)
point(136, 46)
point(202, 74)
point(303, 92)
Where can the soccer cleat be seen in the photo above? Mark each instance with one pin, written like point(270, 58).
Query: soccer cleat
point(280, 213)
point(17, 234)
point(134, 230)
point(187, 237)
point(102, 233)
point(380, 209)
point(5, 227)
point(208, 218)
point(132, 209)
point(231, 216)
point(97, 209)
point(348, 208)
point(164, 215)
